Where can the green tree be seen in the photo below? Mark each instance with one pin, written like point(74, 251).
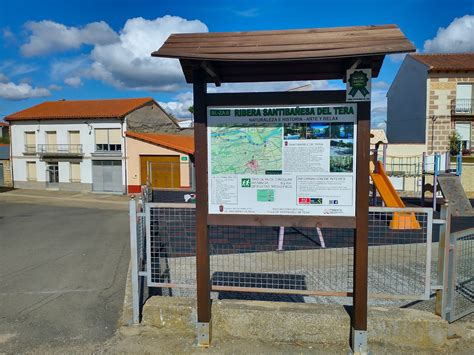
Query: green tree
point(191, 109)
point(454, 143)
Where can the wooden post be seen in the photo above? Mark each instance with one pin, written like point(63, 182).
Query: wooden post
point(359, 316)
point(443, 251)
point(202, 242)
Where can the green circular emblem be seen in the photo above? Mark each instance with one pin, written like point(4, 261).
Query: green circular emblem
point(358, 81)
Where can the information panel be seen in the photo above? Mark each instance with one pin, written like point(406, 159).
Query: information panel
point(282, 160)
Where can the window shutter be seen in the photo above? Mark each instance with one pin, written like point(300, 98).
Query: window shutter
point(74, 137)
point(115, 136)
point(51, 138)
point(30, 138)
point(101, 136)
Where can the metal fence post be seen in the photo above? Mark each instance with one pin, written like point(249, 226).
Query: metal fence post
point(134, 262)
point(443, 260)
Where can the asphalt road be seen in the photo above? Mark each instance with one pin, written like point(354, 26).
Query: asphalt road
point(62, 273)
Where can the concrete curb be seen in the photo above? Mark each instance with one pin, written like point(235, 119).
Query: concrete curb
point(300, 323)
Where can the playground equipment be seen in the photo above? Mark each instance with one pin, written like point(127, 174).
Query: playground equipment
point(453, 191)
point(281, 237)
point(419, 167)
point(391, 199)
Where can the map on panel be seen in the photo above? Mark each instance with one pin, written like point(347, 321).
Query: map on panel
point(240, 149)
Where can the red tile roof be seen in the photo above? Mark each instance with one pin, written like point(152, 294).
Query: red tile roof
point(80, 109)
point(3, 124)
point(446, 62)
point(184, 144)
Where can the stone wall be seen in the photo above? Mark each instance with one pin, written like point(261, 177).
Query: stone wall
point(151, 118)
point(441, 93)
point(7, 173)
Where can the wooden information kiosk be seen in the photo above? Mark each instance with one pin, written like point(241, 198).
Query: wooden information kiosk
point(289, 55)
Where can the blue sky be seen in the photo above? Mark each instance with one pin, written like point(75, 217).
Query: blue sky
point(100, 49)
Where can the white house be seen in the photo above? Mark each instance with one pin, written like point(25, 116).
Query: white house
point(80, 145)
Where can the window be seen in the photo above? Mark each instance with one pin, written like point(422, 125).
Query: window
point(75, 142)
point(30, 142)
point(31, 170)
point(74, 137)
point(75, 172)
point(464, 98)
point(108, 140)
point(464, 131)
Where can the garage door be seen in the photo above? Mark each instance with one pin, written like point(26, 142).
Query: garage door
point(163, 172)
point(107, 176)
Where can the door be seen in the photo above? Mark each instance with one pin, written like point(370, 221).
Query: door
point(51, 142)
point(2, 178)
point(52, 174)
point(163, 172)
point(74, 142)
point(107, 176)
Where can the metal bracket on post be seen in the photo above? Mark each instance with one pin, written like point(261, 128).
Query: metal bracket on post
point(203, 334)
point(359, 342)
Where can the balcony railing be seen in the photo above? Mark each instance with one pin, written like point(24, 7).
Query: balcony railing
point(30, 149)
point(462, 107)
point(54, 149)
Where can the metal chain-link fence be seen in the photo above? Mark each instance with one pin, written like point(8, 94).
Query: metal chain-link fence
point(460, 275)
point(303, 262)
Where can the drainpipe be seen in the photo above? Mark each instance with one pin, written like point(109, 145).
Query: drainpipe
point(123, 121)
point(11, 153)
point(433, 119)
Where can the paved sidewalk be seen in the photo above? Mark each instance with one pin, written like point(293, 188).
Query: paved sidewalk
point(79, 199)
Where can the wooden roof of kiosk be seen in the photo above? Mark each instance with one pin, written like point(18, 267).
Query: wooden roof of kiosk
point(310, 54)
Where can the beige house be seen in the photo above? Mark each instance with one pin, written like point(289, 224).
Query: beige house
point(431, 96)
point(163, 161)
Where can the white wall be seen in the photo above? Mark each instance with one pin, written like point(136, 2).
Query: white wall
point(62, 128)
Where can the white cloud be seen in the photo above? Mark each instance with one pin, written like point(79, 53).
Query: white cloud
point(379, 108)
point(3, 78)
point(179, 107)
point(128, 63)
point(397, 57)
point(49, 37)
point(61, 69)
point(253, 12)
point(14, 68)
point(73, 81)
point(380, 84)
point(54, 87)
point(456, 38)
point(12, 91)
point(8, 36)
point(276, 86)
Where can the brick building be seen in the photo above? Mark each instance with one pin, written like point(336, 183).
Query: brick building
point(431, 96)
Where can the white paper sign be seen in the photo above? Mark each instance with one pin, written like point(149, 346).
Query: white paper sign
point(282, 160)
point(358, 85)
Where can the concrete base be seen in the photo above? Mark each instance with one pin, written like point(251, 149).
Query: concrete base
point(298, 323)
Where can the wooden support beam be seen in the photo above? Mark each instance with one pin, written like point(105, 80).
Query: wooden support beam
point(211, 71)
point(359, 317)
point(202, 242)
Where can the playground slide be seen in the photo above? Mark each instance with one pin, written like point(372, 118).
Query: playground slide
point(391, 199)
